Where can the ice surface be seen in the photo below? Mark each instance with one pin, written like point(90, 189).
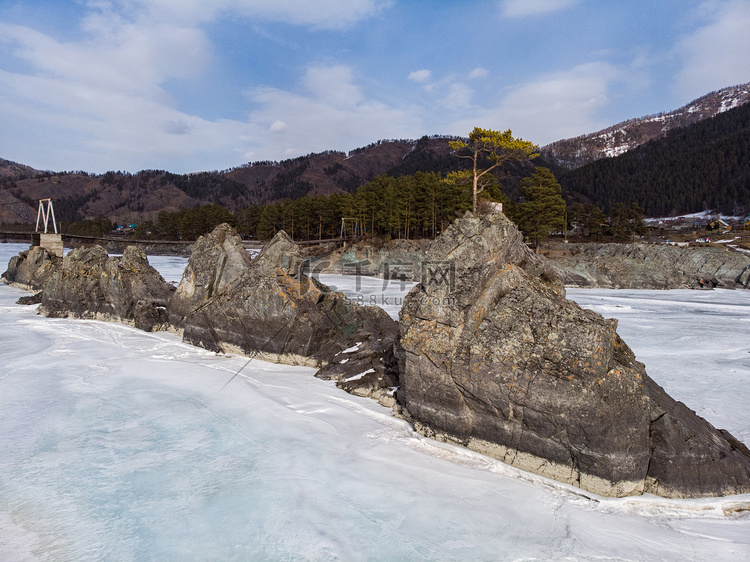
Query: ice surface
point(118, 444)
point(388, 294)
point(170, 267)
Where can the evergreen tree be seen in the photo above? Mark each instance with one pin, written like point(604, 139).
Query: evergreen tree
point(589, 219)
point(625, 222)
point(495, 146)
point(543, 208)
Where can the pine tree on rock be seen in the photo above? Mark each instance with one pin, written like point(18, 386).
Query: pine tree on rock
point(495, 146)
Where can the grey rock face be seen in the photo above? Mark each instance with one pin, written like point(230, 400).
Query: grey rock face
point(268, 308)
point(651, 266)
point(31, 269)
point(218, 259)
point(90, 284)
point(493, 356)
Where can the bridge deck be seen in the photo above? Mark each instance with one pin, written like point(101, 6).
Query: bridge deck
point(122, 239)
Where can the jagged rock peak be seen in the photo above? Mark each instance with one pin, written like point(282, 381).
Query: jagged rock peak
point(32, 268)
point(274, 311)
point(493, 356)
point(218, 259)
point(281, 252)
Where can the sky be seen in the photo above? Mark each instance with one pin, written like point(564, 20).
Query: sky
point(192, 85)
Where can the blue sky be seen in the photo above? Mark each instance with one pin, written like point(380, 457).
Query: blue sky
point(190, 85)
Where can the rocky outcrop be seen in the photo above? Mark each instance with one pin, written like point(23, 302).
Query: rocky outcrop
point(31, 269)
point(270, 309)
point(652, 266)
point(217, 260)
point(90, 284)
point(494, 357)
point(393, 259)
point(150, 247)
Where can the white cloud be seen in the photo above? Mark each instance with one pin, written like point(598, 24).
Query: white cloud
point(458, 96)
point(324, 14)
point(76, 126)
point(178, 127)
point(478, 73)
point(97, 102)
point(420, 76)
point(119, 55)
point(278, 127)
point(525, 8)
point(718, 54)
point(556, 106)
point(333, 85)
point(319, 119)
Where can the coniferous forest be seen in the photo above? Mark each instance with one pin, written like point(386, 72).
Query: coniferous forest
point(700, 167)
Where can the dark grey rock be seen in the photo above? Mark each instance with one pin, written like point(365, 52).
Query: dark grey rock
point(217, 260)
point(270, 309)
point(36, 298)
point(493, 356)
point(90, 284)
point(31, 269)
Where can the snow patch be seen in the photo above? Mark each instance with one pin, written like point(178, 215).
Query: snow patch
point(355, 347)
point(359, 376)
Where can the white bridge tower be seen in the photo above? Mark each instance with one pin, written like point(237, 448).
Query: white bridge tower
point(46, 239)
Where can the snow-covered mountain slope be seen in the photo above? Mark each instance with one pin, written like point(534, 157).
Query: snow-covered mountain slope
point(617, 139)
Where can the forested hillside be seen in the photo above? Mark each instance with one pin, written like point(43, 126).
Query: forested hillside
point(703, 166)
point(622, 137)
point(125, 197)
point(134, 198)
point(399, 188)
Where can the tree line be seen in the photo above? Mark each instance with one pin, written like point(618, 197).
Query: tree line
point(418, 205)
point(412, 206)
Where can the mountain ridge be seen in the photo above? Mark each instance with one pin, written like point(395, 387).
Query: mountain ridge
point(704, 166)
point(126, 197)
point(618, 139)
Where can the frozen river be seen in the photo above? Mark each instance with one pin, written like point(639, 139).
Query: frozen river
point(117, 444)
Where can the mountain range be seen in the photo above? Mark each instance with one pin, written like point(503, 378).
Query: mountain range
point(619, 139)
point(126, 197)
point(704, 166)
point(578, 163)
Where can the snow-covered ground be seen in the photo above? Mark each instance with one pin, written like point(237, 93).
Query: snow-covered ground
point(703, 215)
point(117, 444)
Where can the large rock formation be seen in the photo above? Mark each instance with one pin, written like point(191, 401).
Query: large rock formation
point(652, 266)
point(270, 309)
point(90, 284)
point(494, 357)
point(31, 269)
point(217, 260)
